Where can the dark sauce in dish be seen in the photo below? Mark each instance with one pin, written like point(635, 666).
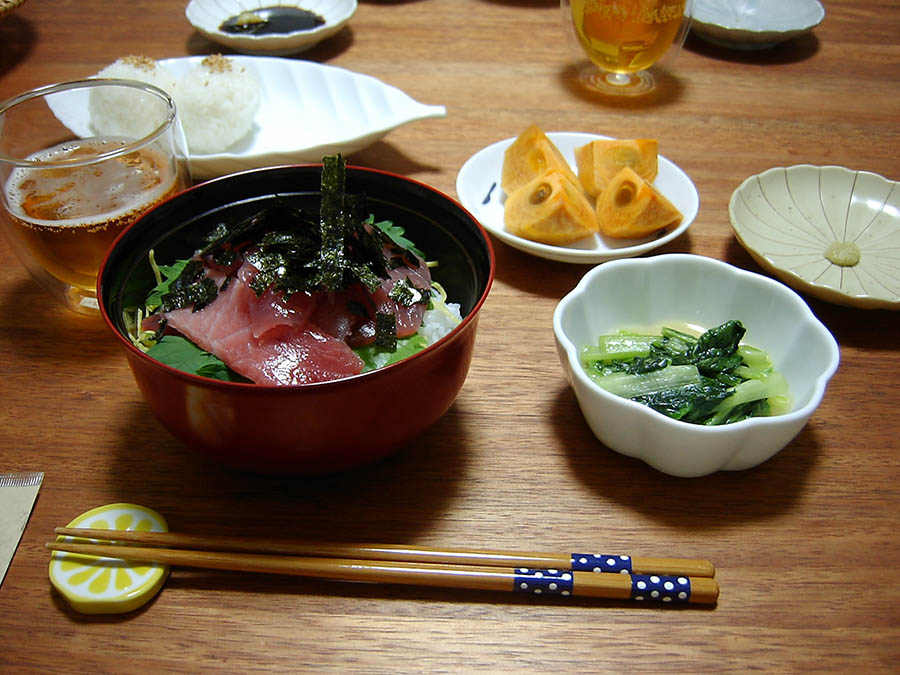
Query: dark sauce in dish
point(272, 21)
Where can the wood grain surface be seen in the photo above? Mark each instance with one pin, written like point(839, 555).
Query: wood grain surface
point(805, 545)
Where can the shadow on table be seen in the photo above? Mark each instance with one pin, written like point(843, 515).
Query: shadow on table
point(393, 499)
point(17, 37)
point(689, 503)
point(844, 322)
point(668, 89)
point(798, 49)
point(32, 320)
point(385, 156)
point(536, 276)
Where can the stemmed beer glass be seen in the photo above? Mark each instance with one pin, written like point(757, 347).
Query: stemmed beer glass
point(624, 38)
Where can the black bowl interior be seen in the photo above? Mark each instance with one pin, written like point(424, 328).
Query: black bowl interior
point(437, 225)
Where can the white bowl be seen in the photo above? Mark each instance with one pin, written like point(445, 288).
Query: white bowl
point(825, 230)
point(754, 24)
point(207, 16)
point(704, 292)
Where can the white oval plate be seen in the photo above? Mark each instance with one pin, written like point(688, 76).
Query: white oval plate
point(307, 110)
point(478, 188)
point(207, 15)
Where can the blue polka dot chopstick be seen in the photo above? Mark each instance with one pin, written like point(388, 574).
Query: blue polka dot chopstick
point(581, 562)
point(673, 590)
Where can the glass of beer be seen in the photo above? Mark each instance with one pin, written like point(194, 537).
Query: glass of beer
point(624, 38)
point(80, 161)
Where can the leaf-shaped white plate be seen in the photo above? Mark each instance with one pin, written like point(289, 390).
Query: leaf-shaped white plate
point(825, 230)
point(478, 188)
point(307, 110)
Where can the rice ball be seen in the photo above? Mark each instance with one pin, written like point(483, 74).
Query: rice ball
point(217, 102)
point(130, 112)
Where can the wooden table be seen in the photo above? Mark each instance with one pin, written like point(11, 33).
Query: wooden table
point(806, 545)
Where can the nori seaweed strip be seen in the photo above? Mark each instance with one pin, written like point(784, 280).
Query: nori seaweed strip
point(366, 276)
point(385, 331)
point(406, 294)
point(331, 222)
point(190, 286)
point(160, 330)
point(368, 242)
point(200, 293)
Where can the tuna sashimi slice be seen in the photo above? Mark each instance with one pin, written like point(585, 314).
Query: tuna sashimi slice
point(289, 355)
point(267, 339)
point(408, 317)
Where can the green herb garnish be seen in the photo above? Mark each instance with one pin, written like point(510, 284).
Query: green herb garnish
point(711, 379)
point(180, 353)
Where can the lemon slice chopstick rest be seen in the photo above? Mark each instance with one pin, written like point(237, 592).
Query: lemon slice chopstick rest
point(96, 585)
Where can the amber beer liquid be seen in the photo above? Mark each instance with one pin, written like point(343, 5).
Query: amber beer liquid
point(68, 217)
point(625, 36)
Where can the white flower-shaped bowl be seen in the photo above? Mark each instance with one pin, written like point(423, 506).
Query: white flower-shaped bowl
point(645, 292)
point(207, 17)
point(825, 230)
point(754, 24)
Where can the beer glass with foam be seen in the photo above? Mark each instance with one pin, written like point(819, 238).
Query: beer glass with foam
point(79, 162)
point(624, 38)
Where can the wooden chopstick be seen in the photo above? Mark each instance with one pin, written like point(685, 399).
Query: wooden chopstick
point(582, 562)
point(661, 588)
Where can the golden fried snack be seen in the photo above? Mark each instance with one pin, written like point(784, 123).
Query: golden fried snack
point(630, 208)
point(599, 161)
point(550, 209)
point(530, 155)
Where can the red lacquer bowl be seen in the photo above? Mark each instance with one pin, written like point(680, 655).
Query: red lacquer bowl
point(318, 427)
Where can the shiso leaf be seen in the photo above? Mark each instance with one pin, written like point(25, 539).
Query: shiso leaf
point(397, 235)
point(180, 353)
point(374, 358)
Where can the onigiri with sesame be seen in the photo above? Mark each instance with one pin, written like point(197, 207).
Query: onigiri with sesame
point(217, 102)
point(130, 112)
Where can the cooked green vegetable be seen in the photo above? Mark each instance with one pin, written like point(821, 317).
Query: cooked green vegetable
point(711, 379)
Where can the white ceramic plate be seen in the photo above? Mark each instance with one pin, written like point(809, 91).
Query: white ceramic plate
point(307, 111)
point(825, 230)
point(207, 15)
point(478, 188)
point(754, 24)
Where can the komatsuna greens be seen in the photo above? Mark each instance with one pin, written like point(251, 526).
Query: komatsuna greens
point(711, 379)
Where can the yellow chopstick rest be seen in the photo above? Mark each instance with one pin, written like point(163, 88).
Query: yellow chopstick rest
point(98, 585)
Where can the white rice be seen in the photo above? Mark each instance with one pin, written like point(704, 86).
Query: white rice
point(436, 323)
point(217, 102)
point(130, 112)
